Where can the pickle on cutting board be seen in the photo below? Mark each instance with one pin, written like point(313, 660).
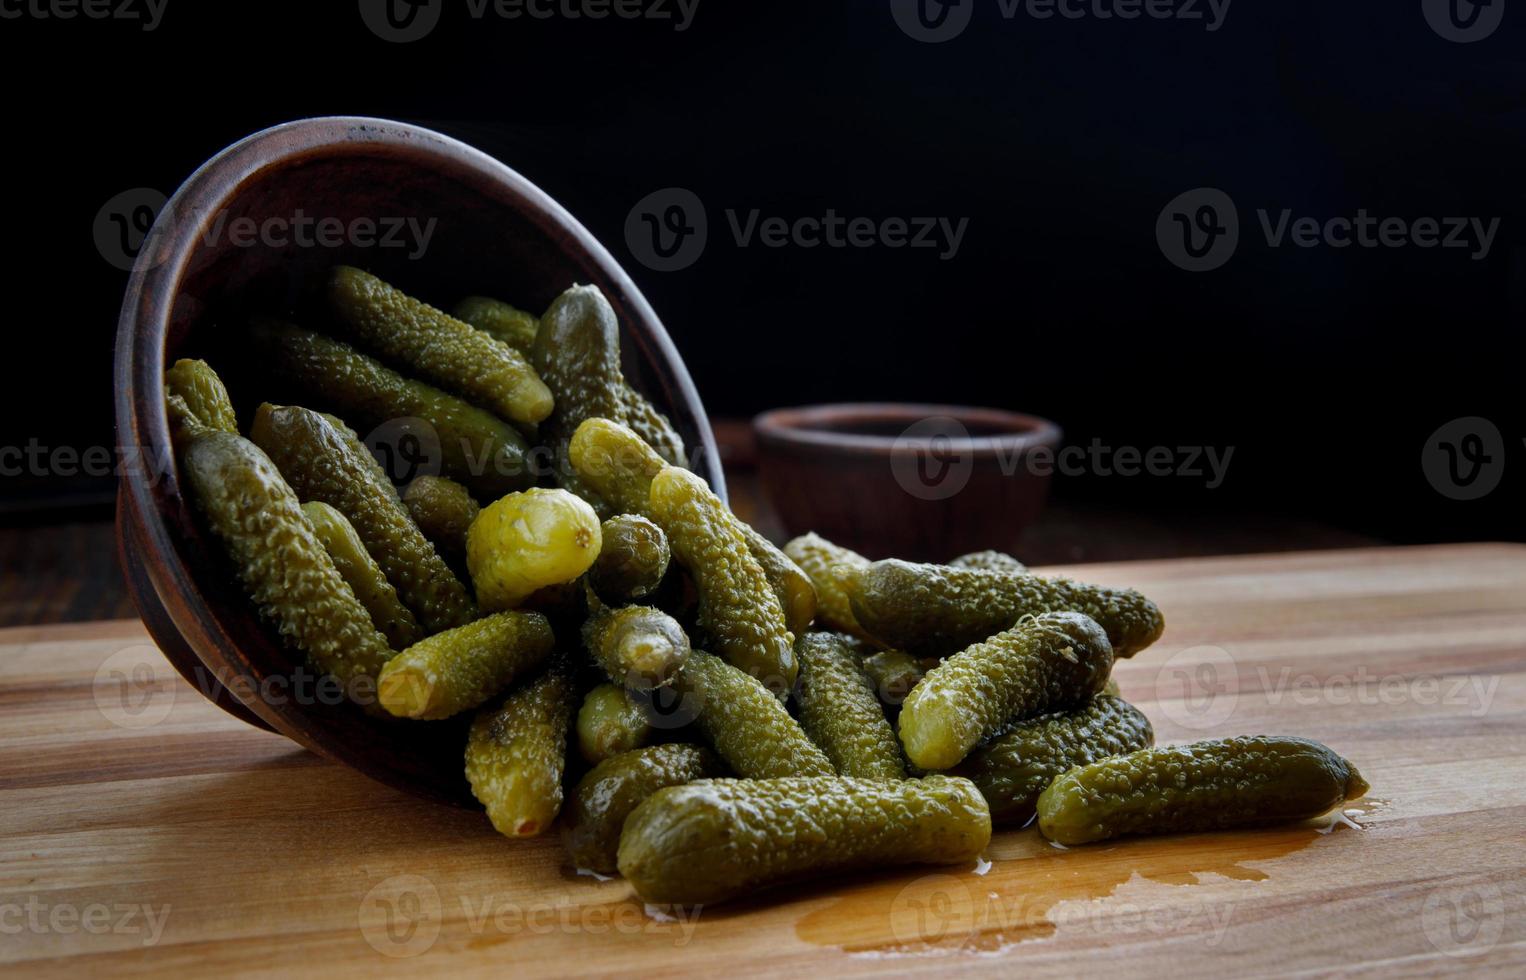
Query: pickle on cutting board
point(715, 839)
point(1214, 785)
point(361, 573)
point(821, 559)
point(461, 668)
point(745, 722)
point(516, 753)
point(527, 541)
point(839, 710)
point(1044, 663)
point(608, 793)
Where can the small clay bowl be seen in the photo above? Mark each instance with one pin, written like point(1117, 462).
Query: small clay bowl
point(494, 233)
point(921, 482)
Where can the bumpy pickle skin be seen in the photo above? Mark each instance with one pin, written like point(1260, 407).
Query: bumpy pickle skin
point(516, 753)
point(738, 610)
point(1214, 785)
point(610, 722)
point(250, 509)
point(616, 464)
point(454, 355)
point(444, 510)
point(716, 839)
point(527, 541)
point(459, 669)
point(504, 322)
point(203, 394)
point(935, 609)
point(893, 674)
point(821, 559)
point(839, 711)
point(323, 462)
point(652, 426)
point(745, 722)
point(1048, 663)
point(995, 561)
point(792, 586)
point(632, 561)
point(476, 447)
point(608, 793)
point(361, 573)
point(639, 647)
point(1012, 769)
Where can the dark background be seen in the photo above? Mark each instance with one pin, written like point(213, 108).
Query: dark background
point(1060, 140)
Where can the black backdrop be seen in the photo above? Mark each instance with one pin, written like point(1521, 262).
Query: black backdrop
point(1061, 140)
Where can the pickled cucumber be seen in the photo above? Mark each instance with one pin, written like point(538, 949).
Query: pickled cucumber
point(892, 673)
point(1012, 769)
point(611, 722)
point(240, 495)
point(715, 839)
point(607, 794)
point(738, 611)
point(934, 609)
point(639, 647)
point(632, 561)
point(361, 573)
point(444, 510)
point(1045, 663)
point(445, 351)
point(1213, 785)
point(183, 422)
point(796, 593)
point(821, 559)
point(322, 462)
point(202, 391)
point(461, 668)
point(513, 326)
point(527, 541)
point(995, 561)
point(652, 426)
point(745, 722)
point(476, 447)
point(839, 711)
point(516, 753)
point(615, 464)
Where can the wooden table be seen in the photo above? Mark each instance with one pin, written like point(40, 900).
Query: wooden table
point(143, 831)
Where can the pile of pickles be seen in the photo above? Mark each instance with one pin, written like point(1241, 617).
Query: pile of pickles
point(706, 713)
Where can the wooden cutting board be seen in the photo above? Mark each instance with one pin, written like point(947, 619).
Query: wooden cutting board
point(144, 831)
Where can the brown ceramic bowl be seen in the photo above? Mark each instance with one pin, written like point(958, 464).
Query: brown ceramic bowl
point(495, 233)
point(921, 482)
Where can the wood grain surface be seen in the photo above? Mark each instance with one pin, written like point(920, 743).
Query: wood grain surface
point(142, 831)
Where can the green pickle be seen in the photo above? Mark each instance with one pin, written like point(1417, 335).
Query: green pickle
point(745, 722)
point(893, 674)
point(516, 753)
point(1214, 785)
point(283, 566)
point(1047, 663)
point(821, 559)
point(738, 610)
point(1012, 769)
point(639, 647)
point(609, 722)
point(839, 711)
point(935, 609)
point(632, 561)
point(445, 351)
point(476, 447)
point(507, 323)
point(528, 541)
point(792, 586)
point(608, 793)
point(995, 561)
point(361, 573)
point(202, 392)
point(616, 464)
point(643, 418)
point(323, 462)
point(459, 669)
point(444, 510)
point(716, 839)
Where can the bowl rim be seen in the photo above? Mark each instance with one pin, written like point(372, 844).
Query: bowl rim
point(793, 428)
point(160, 576)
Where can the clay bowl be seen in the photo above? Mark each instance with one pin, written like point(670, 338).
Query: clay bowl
point(494, 233)
point(921, 482)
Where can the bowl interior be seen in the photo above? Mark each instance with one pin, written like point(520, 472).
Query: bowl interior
point(256, 230)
